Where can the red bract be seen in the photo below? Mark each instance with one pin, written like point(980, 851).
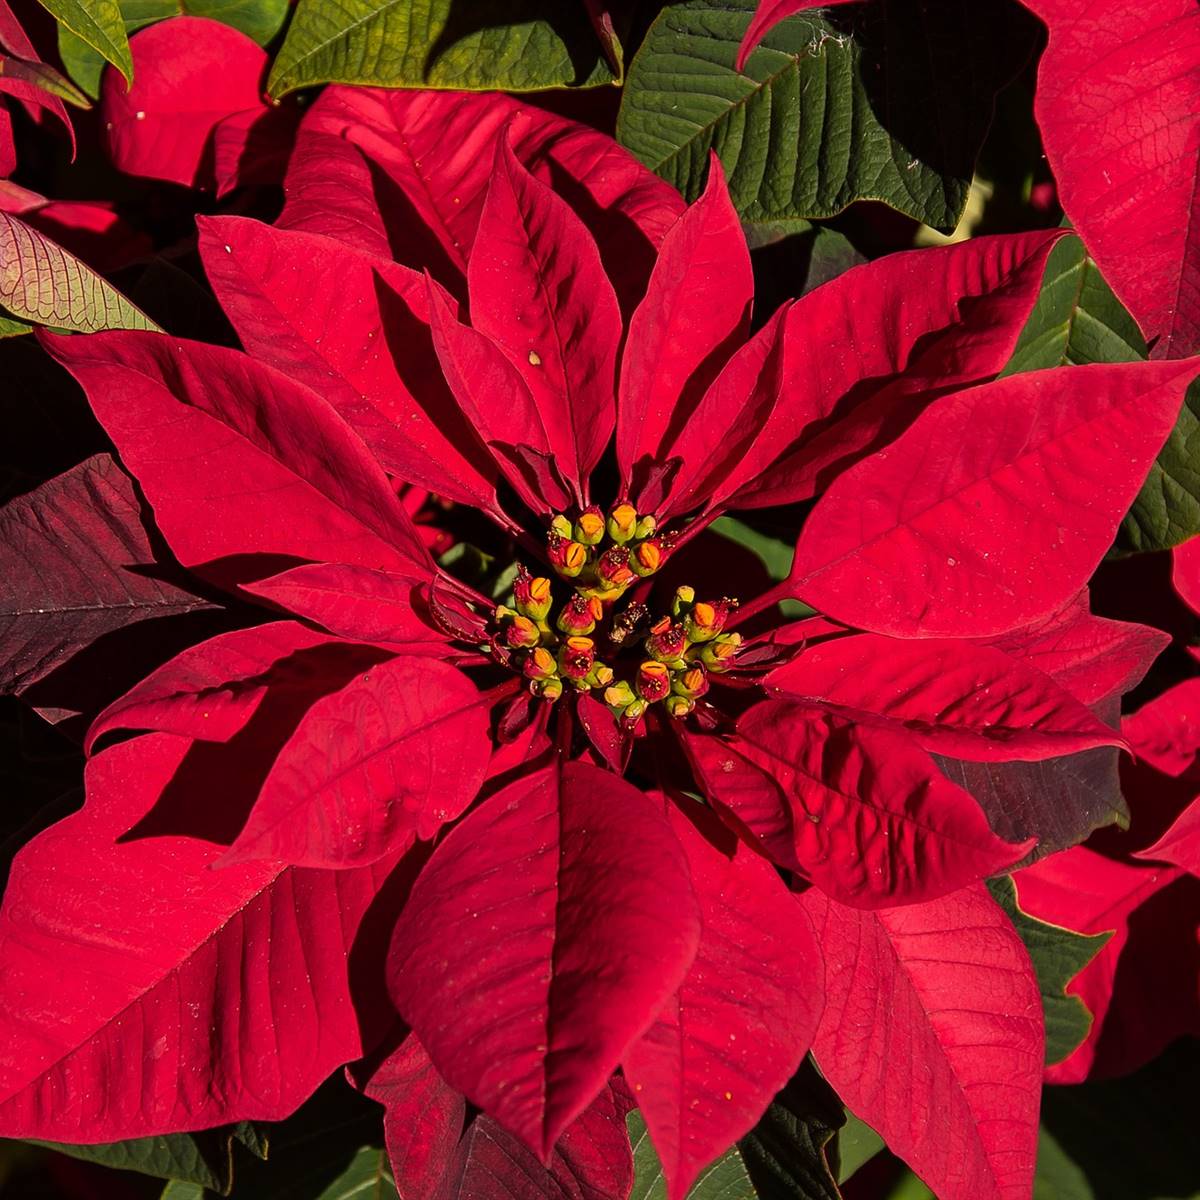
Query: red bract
point(562, 357)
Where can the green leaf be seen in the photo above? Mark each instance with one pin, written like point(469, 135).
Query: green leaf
point(257, 19)
point(1058, 955)
point(177, 1190)
point(882, 102)
point(41, 283)
point(512, 45)
point(203, 1159)
point(10, 327)
point(857, 1144)
point(1077, 320)
point(782, 1158)
point(1132, 1138)
point(99, 24)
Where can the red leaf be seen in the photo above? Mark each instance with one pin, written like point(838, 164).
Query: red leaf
point(539, 292)
point(70, 553)
point(847, 367)
point(861, 811)
point(1180, 845)
point(742, 1020)
point(1166, 731)
point(539, 942)
point(958, 698)
point(283, 474)
point(437, 149)
point(1185, 572)
point(210, 691)
point(497, 403)
point(355, 603)
point(932, 1034)
point(696, 310)
point(227, 989)
point(1118, 105)
point(994, 507)
point(251, 148)
point(397, 752)
point(354, 327)
point(188, 74)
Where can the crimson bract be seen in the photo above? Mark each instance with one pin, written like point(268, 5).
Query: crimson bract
point(595, 822)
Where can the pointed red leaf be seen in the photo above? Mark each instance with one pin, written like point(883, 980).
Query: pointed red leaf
point(769, 13)
point(862, 811)
point(994, 507)
point(848, 366)
point(933, 1035)
point(955, 697)
point(209, 691)
point(1180, 845)
point(539, 292)
point(436, 150)
point(696, 310)
point(498, 404)
point(283, 474)
point(227, 990)
point(397, 752)
point(1166, 731)
point(540, 940)
point(70, 553)
point(188, 74)
point(355, 603)
point(353, 327)
point(743, 1018)
point(1118, 105)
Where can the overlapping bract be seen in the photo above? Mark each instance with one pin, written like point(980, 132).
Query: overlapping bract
point(570, 923)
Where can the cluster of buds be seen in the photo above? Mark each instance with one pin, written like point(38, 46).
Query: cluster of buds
point(578, 553)
point(683, 650)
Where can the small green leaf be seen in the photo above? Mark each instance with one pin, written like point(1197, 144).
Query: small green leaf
point(882, 102)
point(857, 1144)
point(725, 1179)
point(99, 24)
point(513, 45)
point(178, 1190)
point(776, 556)
point(41, 283)
point(1058, 955)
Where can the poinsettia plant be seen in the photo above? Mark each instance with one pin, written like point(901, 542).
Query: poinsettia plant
point(580, 664)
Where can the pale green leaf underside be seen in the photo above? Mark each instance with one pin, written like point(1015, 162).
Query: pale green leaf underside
point(513, 45)
point(799, 132)
point(99, 24)
point(42, 284)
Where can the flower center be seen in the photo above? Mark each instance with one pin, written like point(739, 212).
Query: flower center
point(599, 638)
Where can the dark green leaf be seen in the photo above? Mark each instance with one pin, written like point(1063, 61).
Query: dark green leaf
point(514, 45)
point(885, 102)
point(1125, 1139)
point(1058, 955)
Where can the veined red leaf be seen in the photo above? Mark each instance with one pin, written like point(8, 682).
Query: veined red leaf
point(743, 1018)
point(1118, 105)
point(353, 326)
point(437, 148)
point(847, 367)
point(210, 691)
point(955, 697)
point(69, 557)
point(228, 989)
point(396, 753)
point(994, 507)
point(541, 939)
point(40, 282)
point(696, 309)
point(284, 475)
point(539, 292)
point(497, 403)
point(189, 73)
point(862, 811)
point(354, 602)
point(1166, 731)
point(933, 1035)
